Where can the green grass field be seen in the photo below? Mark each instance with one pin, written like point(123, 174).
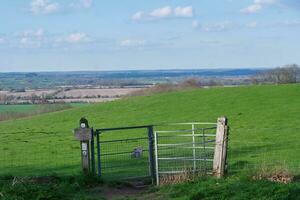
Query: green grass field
point(23, 108)
point(264, 130)
point(18, 108)
point(264, 127)
point(10, 112)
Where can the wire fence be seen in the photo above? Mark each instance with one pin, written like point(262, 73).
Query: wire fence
point(48, 154)
point(126, 156)
point(264, 150)
point(250, 149)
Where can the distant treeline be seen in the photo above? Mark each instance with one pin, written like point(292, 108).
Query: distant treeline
point(279, 75)
point(132, 78)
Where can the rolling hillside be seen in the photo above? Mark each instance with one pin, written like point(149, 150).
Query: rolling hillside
point(264, 126)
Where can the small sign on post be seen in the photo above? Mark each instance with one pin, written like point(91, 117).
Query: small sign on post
point(220, 155)
point(84, 135)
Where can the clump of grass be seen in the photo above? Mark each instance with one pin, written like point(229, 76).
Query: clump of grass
point(46, 187)
point(279, 174)
point(186, 176)
point(234, 187)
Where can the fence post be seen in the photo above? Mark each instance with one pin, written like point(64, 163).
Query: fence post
point(220, 154)
point(151, 152)
point(84, 135)
point(98, 152)
point(93, 152)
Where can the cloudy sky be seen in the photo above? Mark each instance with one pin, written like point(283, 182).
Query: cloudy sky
point(61, 35)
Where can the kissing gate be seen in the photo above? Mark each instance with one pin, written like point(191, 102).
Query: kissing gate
point(161, 153)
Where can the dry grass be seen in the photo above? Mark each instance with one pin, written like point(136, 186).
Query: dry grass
point(186, 176)
point(274, 174)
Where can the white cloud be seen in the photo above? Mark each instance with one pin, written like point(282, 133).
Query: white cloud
point(86, 3)
point(132, 43)
point(138, 16)
point(214, 27)
point(76, 38)
point(31, 38)
point(251, 25)
point(184, 11)
point(265, 2)
point(252, 9)
point(163, 13)
point(43, 7)
point(32, 33)
point(257, 6)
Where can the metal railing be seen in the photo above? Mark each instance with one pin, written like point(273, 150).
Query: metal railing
point(184, 152)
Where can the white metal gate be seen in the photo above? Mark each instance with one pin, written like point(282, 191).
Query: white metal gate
point(183, 151)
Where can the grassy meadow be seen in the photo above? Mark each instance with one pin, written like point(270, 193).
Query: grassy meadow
point(264, 131)
point(264, 127)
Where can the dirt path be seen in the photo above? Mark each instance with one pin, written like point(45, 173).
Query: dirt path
point(125, 192)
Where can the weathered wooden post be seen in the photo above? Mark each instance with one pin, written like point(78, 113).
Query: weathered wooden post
point(84, 135)
point(220, 155)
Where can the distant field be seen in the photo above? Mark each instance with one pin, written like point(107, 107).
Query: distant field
point(18, 108)
point(8, 112)
point(264, 127)
point(66, 95)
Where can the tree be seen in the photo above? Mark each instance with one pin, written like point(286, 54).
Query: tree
point(279, 75)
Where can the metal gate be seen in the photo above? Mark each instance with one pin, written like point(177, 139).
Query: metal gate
point(125, 153)
point(183, 151)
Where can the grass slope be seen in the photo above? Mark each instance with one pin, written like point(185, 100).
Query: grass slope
point(264, 123)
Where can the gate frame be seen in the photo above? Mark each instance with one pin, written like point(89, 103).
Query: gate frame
point(220, 153)
point(98, 132)
point(192, 131)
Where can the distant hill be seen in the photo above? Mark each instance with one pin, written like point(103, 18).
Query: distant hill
point(15, 80)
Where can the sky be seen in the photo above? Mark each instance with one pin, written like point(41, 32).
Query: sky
point(72, 35)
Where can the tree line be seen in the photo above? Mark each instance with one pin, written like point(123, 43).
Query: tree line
point(280, 75)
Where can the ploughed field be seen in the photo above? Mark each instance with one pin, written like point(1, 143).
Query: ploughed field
point(264, 128)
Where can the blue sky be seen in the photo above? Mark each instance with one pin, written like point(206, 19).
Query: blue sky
point(62, 35)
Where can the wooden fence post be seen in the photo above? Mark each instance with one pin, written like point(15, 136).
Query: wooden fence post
point(220, 155)
point(84, 135)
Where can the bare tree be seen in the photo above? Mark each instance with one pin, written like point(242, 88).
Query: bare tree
point(279, 75)
point(3, 99)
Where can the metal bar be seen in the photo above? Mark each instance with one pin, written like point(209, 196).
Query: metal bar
point(156, 158)
point(98, 152)
point(122, 128)
point(203, 140)
point(190, 123)
point(170, 147)
point(151, 153)
point(194, 150)
point(177, 172)
point(189, 135)
point(119, 166)
point(181, 131)
point(184, 158)
point(133, 178)
point(187, 143)
point(120, 140)
point(117, 153)
point(93, 153)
